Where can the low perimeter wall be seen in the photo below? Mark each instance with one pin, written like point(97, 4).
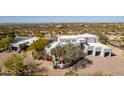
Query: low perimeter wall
point(71, 63)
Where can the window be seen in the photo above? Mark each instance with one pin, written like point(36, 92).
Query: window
point(95, 40)
point(73, 40)
point(61, 40)
point(67, 40)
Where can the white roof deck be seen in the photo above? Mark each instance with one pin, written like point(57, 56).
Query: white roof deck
point(24, 41)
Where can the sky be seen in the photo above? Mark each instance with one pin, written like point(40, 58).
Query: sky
point(59, 19)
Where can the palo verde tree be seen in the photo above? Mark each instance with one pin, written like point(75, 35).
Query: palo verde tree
point(14, 65)
point(38, 49)
point(38, 45)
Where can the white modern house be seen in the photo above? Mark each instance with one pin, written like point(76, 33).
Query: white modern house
point(25, 41)
point(92, 46)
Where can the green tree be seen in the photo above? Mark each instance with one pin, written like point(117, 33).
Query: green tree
point(5, 42)
point(38, 45)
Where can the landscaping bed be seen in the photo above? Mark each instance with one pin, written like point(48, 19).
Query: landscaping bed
point(66, 56)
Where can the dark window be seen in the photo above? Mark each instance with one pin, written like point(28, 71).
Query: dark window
point(106, 54)
point(95, 40)
point(73, 40)
point(15, 48)
point(97, 53)
point(90, 52)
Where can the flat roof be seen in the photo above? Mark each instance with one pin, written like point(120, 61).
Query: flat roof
point(68, 36)
point(88, 35)
point(18, 39)
point(78, 36)
point(54, 43)
point(24, 40)
point(99, 45)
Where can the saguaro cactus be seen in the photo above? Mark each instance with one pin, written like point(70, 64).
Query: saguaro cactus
point(67, 53)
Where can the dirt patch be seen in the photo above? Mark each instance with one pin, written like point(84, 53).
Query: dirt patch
point(108, 65)
point(3, 57)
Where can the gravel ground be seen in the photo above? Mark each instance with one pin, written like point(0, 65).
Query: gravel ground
point(109, 65)
point(3, 57)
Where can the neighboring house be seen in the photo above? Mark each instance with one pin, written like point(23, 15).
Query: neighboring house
point(90, 42)
point(2, 34)
point(23, 42)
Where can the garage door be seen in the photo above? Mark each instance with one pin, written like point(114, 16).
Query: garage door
point(90, 52)
point(97, 53)
point(106, 54)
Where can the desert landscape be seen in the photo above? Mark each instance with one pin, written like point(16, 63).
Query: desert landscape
point(112, 66)
point(110, 34)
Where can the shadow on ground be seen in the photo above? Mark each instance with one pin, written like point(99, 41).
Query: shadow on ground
point(82, 64)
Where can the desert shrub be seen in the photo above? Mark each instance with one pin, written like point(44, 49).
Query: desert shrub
point(14, 66)
point(103, 39)
point(38, 55)
point(122, 33)
point(100, 73)
point(71, 73)
point(66, 60)
point(122, 39)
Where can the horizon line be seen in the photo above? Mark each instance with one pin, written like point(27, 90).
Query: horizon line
point(51, 22)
